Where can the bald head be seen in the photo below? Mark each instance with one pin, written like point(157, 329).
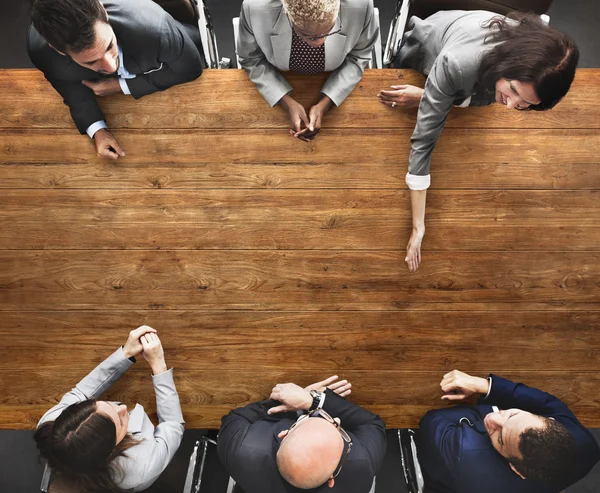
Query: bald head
point(308, 456)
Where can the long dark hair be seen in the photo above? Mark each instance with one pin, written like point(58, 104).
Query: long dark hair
point(67, 24)
point(80, 446)
point(532, 52)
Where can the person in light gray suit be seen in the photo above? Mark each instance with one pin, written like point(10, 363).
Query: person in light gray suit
point(473, 58)
point(306, 36)
point(89, 48)
point(98, 446)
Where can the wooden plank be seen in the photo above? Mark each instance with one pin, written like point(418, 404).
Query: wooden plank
point(292, 219)
point(269, 159)
point(332, 341)
point(401, 398)
point(384, 176)
point(289, 280)
point(227, 99)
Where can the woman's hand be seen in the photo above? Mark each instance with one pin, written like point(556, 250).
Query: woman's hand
point(413, 249)
point(133, 346)
point(298, 116)
point(315, 116)
point(153, 353)
point(402, 96)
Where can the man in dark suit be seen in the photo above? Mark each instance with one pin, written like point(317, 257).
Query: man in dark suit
point(267, 448)
point(517, 439)
point(89, 48)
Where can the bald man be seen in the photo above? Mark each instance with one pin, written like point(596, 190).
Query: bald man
point(303, 439)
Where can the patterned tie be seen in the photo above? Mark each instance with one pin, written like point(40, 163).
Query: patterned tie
point(306, 59)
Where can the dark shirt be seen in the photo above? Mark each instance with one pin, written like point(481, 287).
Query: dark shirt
point(306, 59)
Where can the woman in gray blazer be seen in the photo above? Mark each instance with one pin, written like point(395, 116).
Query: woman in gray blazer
point(306, 36)
point(473, 58)
point(98, 446)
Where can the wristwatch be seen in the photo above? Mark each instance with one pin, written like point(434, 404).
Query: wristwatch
point(318, 399)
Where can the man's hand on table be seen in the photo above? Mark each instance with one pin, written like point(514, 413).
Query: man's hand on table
point(458, 386)
point(107, 146)
point(106, 87)
point(295, 398)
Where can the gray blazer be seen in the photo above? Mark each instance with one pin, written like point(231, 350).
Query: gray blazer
point(157, 446)
point(265, 42)
point(156, 48)
point(447, 48)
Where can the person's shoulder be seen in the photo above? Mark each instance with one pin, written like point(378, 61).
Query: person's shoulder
point(263, 4)
point(357, 4)
point(36, 44)
point(136, 15)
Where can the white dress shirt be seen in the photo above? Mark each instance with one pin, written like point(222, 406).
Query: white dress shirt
point(123, 74)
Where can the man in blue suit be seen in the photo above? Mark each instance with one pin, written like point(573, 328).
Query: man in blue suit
point(516, 440)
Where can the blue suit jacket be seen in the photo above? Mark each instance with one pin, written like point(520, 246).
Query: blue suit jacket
point(457, 455)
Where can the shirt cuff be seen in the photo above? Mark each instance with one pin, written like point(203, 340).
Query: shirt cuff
point(418, 182)
point(94, 127)
point(322, 400)
point(124, 86)
point(490, 389)
point(464, 104)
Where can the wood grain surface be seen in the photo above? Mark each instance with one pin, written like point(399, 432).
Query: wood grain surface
point(262, 259)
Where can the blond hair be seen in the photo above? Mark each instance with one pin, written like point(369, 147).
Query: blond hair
point(305, 13)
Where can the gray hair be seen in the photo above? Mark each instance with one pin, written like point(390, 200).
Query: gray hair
point(309, 12)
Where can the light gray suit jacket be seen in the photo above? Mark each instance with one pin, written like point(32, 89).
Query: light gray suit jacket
point(447, 48)
point(148, 459)
point(265, 42)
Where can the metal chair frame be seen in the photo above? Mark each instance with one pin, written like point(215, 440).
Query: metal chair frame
point(209, 38)
point(193, 479)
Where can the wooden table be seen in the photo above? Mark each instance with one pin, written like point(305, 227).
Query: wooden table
point(262, 259)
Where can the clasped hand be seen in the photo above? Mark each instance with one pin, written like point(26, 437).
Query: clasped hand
point(295, 398)
point(305, 126)
point(458, 386)
point(144, 340)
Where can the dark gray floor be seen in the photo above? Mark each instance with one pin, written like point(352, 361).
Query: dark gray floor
point(578, 18)
point(21, 472)
point(19, 469)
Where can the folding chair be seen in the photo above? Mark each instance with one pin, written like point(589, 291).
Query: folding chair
point(410, 462)
point(424, 8)
point(377, 55)
point(195, 473)
point(236, 37)
point(209, 38)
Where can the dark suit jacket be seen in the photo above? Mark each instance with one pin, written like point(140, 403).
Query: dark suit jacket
point(457, 456)
point(155, 47)
point(248, 445)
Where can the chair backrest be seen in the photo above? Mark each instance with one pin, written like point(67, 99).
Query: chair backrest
point(208, 36)
point(377, 55)
point(424, 8)
point(236, 37)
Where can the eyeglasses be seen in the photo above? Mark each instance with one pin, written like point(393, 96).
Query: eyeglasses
point(315, 38)
point(319, 413)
